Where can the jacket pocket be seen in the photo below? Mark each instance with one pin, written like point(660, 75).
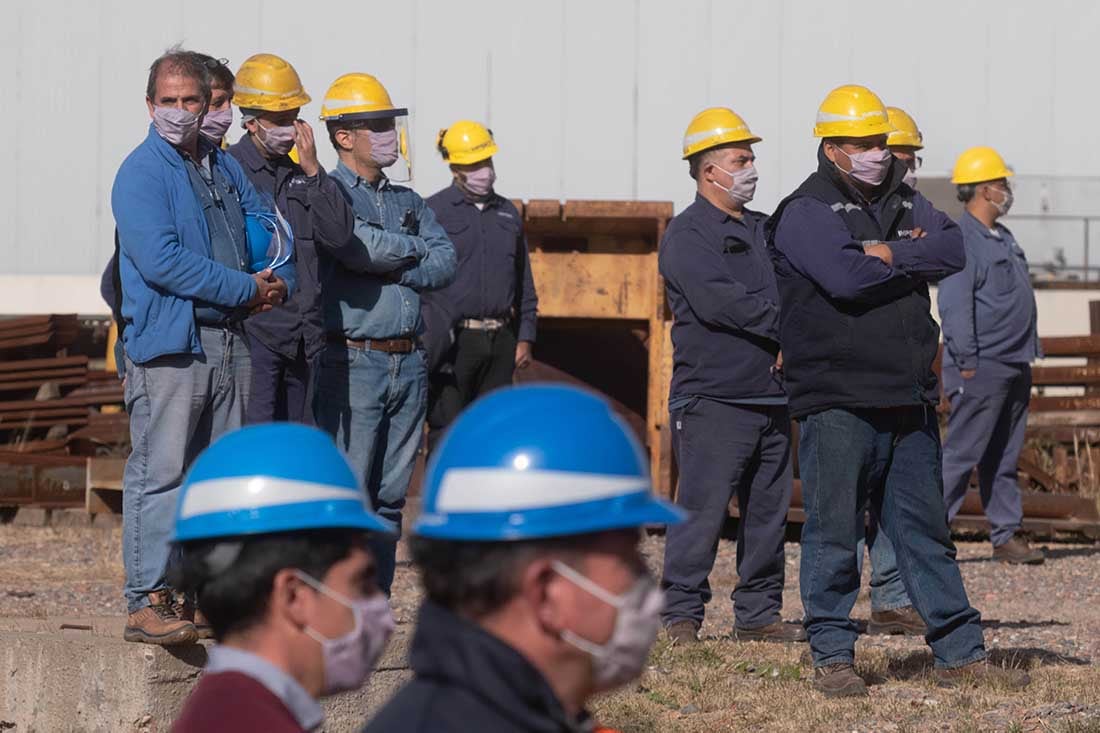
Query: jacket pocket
point(1002, 276)
point(746, 265)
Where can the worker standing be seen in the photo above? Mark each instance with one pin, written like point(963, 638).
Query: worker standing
point(536, 595)
point(727, 408)
point(493, 298)
point(891, 610)
point(272, 525)
point(179, 204)
point(285, 343)
point(373, 389)
point(854, 248)
point(990, 338)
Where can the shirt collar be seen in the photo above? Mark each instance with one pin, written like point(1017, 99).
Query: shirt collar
point(300, 703)
point(357, 180)
point(458, 197)
point(713, 213)
point(253, 158)
point(997, 232)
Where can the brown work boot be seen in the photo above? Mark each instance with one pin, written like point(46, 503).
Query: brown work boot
point(839, 680)
point(188, 610)
point(982, 671)
point(158, 623)
point(681, 632)
point(780, 632)
point(905, 621)
point(1018, 552)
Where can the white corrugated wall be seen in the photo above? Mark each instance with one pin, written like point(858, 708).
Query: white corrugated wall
point(587, 98)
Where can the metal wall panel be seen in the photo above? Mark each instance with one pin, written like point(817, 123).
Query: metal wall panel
point(587, 99)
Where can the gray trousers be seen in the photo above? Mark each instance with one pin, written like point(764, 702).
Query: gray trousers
point(727, 451)
point(986, 429)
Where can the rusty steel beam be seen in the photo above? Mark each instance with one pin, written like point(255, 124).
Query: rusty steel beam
point(1065, 404)
point(1065, 376)
point(1071, 345)
point(44, 481)
point(61, 362)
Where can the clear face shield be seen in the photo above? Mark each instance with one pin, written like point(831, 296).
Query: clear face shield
point(391, 146)
point(270, 241)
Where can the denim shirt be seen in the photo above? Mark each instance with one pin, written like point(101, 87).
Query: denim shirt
point(221, 209)
point(400, 251)
point(988, 310)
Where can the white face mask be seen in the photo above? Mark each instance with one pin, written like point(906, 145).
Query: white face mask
point(637, 622)
point(176, 126)
point(349, 659)
point(870, 166)
point(277, 140)
point(910, 178)
point(744, 184)
point(1007, 198)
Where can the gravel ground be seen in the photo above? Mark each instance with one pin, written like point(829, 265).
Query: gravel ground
point(1045, 618)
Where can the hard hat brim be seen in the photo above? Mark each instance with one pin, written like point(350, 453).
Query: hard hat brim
point(847, 129)
point(637, 509)
point(964, 180)
point(470, 158)
point(719, 142)
point(379, 114)
point(297, 517)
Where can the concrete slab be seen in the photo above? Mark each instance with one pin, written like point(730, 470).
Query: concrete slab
point(77, 674)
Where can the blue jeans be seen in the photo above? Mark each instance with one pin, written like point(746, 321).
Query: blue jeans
point(887, 589)
point(373, 404)
point(178, 404)
point(892, 458)
point(986, 428)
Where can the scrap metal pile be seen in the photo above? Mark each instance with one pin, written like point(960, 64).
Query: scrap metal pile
point(56, 413)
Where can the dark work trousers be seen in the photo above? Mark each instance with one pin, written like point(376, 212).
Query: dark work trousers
point(282, 388)
point(986, 429)
point(724, 451)
point(480, 361)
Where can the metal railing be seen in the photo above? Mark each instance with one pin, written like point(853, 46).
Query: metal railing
point(1086, 271)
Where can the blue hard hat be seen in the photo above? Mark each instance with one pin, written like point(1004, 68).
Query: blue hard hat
point(279, 477)
point(538, 461)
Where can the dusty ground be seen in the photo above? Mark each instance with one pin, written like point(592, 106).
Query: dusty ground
point(1046, 619)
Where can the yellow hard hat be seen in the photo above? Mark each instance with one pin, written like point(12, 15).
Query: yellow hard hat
point(905, 129)
point(358, 97)
point(852, 111)
point(267, 82)
point(978, 165)
point(713, 127)
point(466, 142)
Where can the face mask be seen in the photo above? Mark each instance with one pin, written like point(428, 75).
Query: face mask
point(1006, 202)
point(216, 124)
point(277, 140)
point(479, 182)
point(744, 184)
point(910, 178)
point(349, 659)
point(383, 147)
point(623, 657)
point(176, 126)
point(870, 166)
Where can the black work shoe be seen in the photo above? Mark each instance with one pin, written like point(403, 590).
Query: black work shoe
point(839, 680)
point(905, 621)
point(983, 672)
point(1018, 552)
point(681, 632)
point(780, 632)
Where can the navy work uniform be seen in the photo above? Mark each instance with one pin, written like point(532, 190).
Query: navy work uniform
point(285, 342)
point(989, 325)
point(730, 426)
point(492, 301)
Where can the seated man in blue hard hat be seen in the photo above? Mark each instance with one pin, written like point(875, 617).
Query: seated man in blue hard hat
point(537, 595)
point(273, 525)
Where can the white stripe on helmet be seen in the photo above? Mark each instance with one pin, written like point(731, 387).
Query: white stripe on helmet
point(504, 489)
point(254, 492)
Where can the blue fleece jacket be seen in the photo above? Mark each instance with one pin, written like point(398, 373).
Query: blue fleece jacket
point(165, 260)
